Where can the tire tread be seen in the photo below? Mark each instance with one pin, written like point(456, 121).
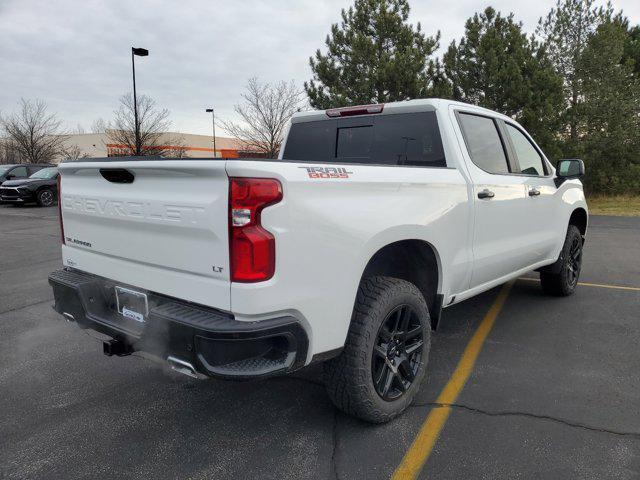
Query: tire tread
point(556, 283)
point(347, 377)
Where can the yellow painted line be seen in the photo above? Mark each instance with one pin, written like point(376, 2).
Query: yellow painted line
point(586, 284)
point(424, 442)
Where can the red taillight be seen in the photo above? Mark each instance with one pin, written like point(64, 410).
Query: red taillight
point(59, 181)
point(356, 110)
point(252, 249)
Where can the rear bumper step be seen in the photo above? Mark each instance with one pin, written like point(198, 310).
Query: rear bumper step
point(194, 339)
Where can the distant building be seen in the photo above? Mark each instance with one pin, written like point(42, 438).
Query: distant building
point(195, 146)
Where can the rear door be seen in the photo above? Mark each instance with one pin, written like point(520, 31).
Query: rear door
point(156, 225)
point(501, 223)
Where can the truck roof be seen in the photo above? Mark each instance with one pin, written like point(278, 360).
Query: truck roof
point(406, 106)
point(27, 165)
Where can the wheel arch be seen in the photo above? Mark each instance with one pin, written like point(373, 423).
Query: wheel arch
point(412, 260)
point(580, 219)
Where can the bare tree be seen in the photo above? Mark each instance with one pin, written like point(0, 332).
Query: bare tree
point(8, 152)
point(153, 123)
point(100, 126)
point(36, 135)
point(265, 111)
point(79, 130)
point(72, 152)
point(177, 148)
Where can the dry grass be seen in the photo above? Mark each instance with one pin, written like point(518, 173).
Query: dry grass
point(619, 205)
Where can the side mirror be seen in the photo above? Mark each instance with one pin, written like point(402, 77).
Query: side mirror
point(10, 177)
point(568, 169)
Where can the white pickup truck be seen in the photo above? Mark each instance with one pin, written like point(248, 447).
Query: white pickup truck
point(344, 250)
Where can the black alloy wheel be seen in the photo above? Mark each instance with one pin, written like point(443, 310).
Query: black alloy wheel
point(561, 278)
point(397, 353)
point(574, 262)
point(384, 360)
point(45, 198)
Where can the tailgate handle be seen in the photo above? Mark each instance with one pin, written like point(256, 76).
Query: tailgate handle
point(117, 175)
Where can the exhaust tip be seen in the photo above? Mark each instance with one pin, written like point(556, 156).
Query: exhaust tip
point(184, 367)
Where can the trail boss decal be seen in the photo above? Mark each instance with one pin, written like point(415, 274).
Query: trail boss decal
point(327, 172)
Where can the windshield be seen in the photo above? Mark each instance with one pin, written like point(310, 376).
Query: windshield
point(45, 173)
point(4, 169)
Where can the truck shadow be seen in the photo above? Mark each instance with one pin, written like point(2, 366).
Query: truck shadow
point(133, 417)
point(314, 439)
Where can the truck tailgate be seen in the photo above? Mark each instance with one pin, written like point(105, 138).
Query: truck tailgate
point(166, 231)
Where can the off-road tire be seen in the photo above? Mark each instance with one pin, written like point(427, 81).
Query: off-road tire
point(348, 377)
point(557, 279)
point(46, 198)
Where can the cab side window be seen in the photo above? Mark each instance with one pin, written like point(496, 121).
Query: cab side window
point(19, 172)
point(530, 160)
point(484, 143)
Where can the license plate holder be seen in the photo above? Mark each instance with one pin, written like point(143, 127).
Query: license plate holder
point(132, 304)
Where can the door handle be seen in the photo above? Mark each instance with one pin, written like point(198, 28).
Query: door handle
point(534, 192)
point(486, 193)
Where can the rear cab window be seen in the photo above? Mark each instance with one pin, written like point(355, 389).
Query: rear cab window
point(404, 139)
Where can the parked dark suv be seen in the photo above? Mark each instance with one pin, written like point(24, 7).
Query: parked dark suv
point(20, 171)
point(40, 188)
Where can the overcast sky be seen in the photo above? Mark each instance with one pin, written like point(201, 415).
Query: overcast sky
point(75, 55)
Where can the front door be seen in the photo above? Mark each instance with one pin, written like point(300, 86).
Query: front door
point(544, 219)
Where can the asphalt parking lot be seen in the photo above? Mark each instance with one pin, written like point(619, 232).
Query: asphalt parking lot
point(554, 393)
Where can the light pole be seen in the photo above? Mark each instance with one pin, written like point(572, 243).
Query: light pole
point(141, 52)
point(213, 120)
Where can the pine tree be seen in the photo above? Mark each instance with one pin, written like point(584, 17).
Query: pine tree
point(496, 66)
point(608, 117)
point(632, 48)
point(373, 56)
point(439, 86)
point(596, 54)
point(565, 31)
